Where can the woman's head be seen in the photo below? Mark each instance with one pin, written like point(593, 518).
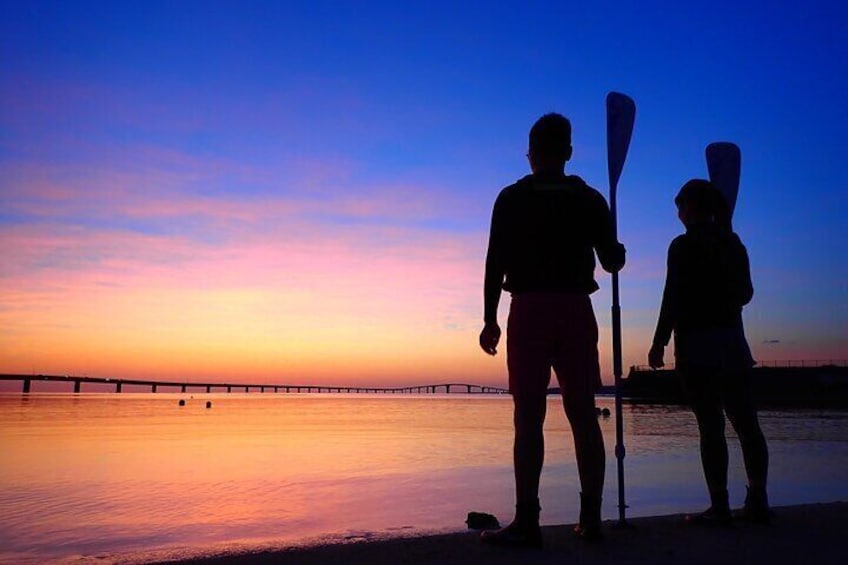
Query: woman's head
point(699, 201)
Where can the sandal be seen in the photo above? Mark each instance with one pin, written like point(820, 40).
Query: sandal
point(514, 535)
point(712, 516)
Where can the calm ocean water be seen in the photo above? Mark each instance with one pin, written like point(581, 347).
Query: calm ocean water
point(110, 478)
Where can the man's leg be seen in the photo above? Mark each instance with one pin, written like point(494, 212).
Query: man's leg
point(528, 458)
point(528, 363)
point(578, 372)
point(528, 451)
point(591, 461)
point(588, 442)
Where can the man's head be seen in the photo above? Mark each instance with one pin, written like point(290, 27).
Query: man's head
point(550, 143)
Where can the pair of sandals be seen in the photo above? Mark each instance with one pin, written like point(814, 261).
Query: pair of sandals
point(530, 536)
point(724, 517)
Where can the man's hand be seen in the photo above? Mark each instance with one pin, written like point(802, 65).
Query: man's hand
point(612, 257)
point(489, 338)
point(617, 262)
point(655, 356)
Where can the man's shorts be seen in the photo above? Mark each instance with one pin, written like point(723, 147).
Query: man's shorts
point(552, 330)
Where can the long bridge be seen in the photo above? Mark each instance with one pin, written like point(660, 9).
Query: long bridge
point(118, 383)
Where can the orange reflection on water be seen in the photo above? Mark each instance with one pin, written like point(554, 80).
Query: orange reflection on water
point(141, 468)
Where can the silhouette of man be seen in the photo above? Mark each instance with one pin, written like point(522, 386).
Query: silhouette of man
point(545, 231)
point(707, 283)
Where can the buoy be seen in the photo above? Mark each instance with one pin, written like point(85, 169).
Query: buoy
point(182, 402)
point(606, 412)
point(209, 404)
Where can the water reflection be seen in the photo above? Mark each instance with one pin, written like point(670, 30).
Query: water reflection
point(90, 474)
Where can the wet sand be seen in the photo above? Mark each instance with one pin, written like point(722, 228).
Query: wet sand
point(807, 534)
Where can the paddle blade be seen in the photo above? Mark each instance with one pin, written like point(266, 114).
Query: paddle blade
point(724, 163)
point(621, 113)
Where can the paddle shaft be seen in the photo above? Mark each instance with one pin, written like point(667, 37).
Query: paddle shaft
point(621, 113)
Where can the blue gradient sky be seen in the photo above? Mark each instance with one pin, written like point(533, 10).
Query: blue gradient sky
point(301, 191)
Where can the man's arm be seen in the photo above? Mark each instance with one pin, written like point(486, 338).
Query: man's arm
point(493, 281)
point(610, 252)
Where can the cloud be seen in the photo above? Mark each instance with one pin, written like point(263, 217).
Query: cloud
point(128, 266)
point(148, 233)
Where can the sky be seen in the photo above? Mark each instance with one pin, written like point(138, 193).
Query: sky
point(300, 192)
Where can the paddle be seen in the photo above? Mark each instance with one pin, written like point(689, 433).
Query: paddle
point(724, 163)
point(621, 113)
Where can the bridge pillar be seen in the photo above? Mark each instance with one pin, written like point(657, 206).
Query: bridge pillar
point(262, 389)
point(118, 386)
point(247, 389)
point(153, 388)
point(208, 388)
point(183, 388)
point(77, 385)
point(27, 385)
point(229, 388)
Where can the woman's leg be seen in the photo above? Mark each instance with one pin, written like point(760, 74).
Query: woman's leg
point(742, 413)
point(705, 401)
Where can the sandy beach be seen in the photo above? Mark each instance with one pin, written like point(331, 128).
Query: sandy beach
point(806, 534)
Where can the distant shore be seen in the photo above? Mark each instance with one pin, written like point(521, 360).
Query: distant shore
point(808, 534)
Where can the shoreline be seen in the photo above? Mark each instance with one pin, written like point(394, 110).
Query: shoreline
point(809, 534)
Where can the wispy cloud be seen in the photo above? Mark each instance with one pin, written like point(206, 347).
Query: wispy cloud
point(93, 252)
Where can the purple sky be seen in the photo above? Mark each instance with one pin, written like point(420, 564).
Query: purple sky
point(303, 193)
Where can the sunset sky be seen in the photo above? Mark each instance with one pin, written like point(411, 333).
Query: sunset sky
point(301, 191)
